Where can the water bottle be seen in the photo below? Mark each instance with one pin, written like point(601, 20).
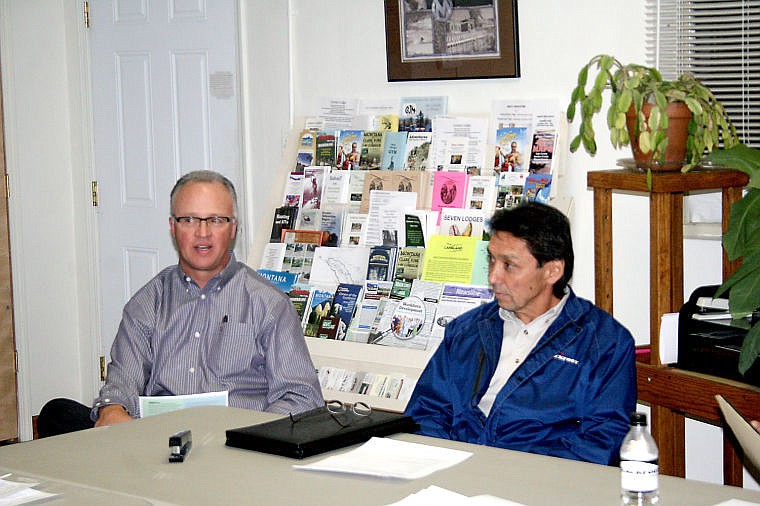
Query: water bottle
point(638, 465)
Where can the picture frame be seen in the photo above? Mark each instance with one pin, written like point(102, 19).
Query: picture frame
point(451, 39)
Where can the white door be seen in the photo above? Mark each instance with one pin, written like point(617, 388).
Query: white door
point(165, 102)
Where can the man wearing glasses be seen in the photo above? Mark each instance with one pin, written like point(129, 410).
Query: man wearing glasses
point(208, 324)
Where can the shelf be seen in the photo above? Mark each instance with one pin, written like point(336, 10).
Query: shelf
point(369, 358)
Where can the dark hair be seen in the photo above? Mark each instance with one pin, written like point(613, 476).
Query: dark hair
point(546, 231)
point(204, 176)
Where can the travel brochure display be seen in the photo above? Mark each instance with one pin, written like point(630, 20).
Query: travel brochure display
point(381, 234)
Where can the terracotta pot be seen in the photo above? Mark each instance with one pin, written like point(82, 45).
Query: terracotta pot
point(679, 116)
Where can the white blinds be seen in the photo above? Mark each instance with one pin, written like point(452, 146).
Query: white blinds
point(719, 42)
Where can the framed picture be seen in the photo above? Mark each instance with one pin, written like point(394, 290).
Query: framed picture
point(451, 39)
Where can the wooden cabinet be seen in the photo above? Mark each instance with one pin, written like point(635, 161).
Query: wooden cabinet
point(673, 394)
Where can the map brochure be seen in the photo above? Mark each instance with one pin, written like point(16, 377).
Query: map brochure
point(332, 266)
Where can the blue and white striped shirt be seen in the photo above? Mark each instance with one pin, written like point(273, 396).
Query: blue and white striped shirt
point(239, 333)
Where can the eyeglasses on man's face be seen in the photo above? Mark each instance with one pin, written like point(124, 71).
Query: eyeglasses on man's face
point(195, 221)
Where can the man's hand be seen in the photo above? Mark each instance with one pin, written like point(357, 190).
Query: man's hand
point(111, 414)
point(756, 425)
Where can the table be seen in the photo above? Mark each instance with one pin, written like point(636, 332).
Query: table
point(130, 461)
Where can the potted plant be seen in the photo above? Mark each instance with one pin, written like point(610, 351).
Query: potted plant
point(742, 240)
point(640, 104)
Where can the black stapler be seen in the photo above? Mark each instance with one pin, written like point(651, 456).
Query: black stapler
point(180, 444)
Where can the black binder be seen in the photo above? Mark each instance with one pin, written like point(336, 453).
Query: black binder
point(317, 431)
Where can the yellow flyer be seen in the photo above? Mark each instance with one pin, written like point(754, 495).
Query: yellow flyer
point(449, 259)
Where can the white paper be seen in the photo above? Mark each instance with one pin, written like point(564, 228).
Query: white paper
point(443, 497)
point(669, 338)
point(337, 113)
point(467, 137)
point(339, 265)
point(748, 437)
point(386, 213)
point(274, 254)
point(389, 458)
point(737, 502)
point(13, 493)
point(155, 405)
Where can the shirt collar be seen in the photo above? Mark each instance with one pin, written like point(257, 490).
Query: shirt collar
point(551, 314)
point(218, 281)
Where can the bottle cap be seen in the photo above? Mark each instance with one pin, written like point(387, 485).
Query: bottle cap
point(638, 419)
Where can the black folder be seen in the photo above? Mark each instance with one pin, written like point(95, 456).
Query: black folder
point(317, 431)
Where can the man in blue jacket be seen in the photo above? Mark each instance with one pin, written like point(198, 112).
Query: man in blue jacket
point(538, 369)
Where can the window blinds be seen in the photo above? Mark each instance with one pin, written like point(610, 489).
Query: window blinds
point(719, 42)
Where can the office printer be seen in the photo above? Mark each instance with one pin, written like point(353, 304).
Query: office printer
point(709, 341)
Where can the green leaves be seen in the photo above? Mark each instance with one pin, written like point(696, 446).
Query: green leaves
point(742, 240)
point(750, 348)
point(740, 157)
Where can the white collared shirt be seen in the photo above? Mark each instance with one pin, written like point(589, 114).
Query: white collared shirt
point(518, 341)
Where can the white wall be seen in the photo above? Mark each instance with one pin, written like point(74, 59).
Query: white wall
point(44, 149)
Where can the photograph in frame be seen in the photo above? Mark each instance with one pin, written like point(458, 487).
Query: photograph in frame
point(451, 39)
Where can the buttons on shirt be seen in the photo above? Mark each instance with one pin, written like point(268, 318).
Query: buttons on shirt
point(197, 334)
point(192, 370)
point(203, 296)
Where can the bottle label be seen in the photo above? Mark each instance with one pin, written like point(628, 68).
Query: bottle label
point(638, 476)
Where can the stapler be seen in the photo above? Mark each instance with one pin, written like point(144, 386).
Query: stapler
point(180, 444)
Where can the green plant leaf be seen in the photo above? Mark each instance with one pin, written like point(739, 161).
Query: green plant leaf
point(620, 120)
point(583, 76)
point(660, 100)
point(575, 144)
point(693, 104)
point(602, 78)
point(742, 236)
point(571, 112)
point(644, 142)
point(624, 100)
point(750, 348)
point(739, 157)
point(606, 62)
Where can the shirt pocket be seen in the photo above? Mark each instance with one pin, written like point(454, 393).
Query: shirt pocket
point(234, 351)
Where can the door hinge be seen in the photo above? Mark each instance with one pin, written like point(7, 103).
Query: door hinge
point(102, 368)
point(86, 14)
point(94, 194)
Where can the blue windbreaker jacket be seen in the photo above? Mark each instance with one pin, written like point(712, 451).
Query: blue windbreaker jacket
point(572, 396)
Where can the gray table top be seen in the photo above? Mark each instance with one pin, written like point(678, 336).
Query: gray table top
point(128, 463)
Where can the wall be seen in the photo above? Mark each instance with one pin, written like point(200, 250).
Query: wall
point(49, 244)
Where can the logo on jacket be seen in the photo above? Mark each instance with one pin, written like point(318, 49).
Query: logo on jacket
point(561, 356)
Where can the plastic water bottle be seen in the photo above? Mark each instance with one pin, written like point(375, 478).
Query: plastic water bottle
point(638, 465)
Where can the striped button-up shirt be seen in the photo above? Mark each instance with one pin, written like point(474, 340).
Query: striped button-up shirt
point(239, 333)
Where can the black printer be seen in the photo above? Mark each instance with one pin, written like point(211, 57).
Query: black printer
point(709, 341)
